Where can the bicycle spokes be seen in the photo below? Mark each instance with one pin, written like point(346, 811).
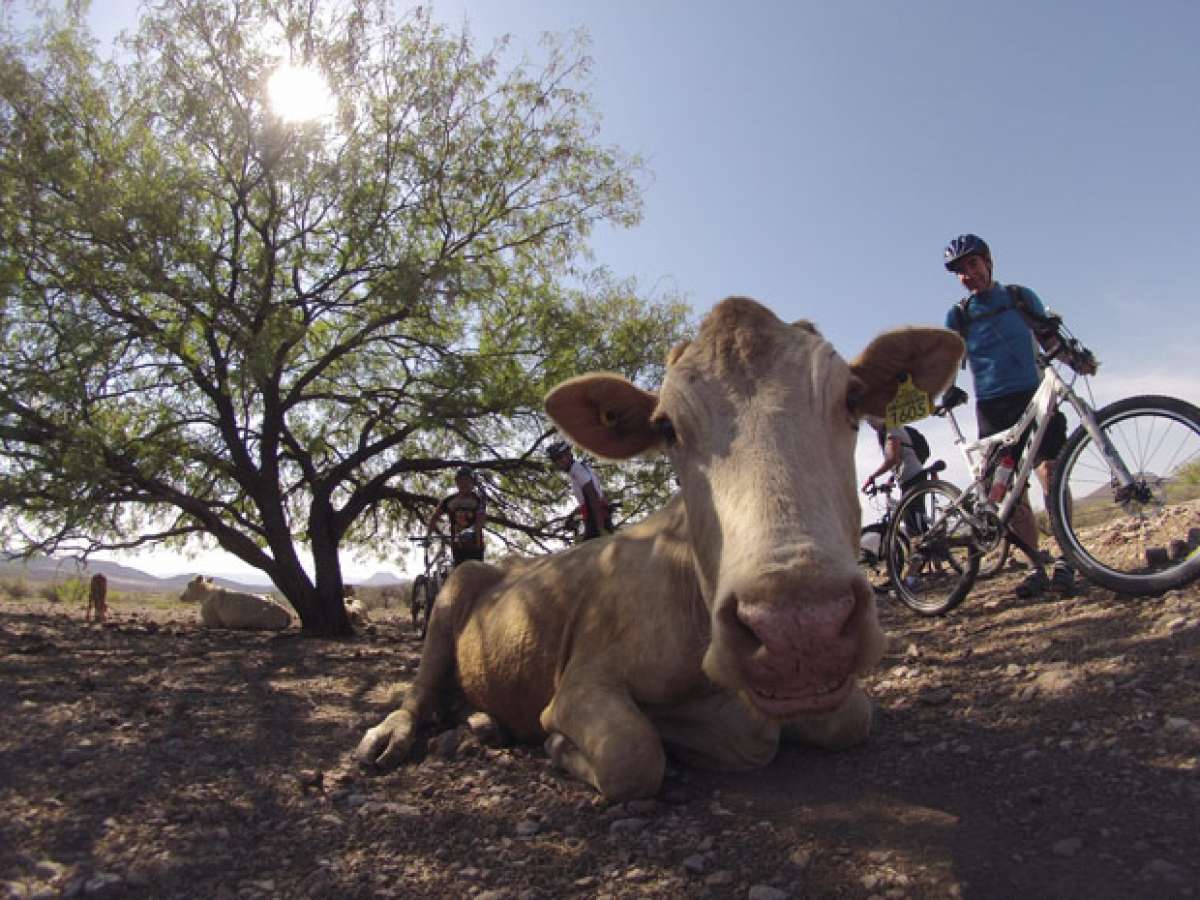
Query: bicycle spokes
point(1138, 536)
point(944, 556)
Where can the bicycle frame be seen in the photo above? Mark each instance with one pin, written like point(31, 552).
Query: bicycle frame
point(1050, 395)
point(435, 560)
point(884, 492)
point(437, 565)
point(880, 493)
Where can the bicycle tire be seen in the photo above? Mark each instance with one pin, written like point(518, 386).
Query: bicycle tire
point(416, 601)
point(875, 560)
point(993, 562)
point(1147, 542)
point(432, 587)
point(945, 551)
point(869, 555)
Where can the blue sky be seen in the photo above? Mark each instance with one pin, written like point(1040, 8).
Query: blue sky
point(818, 156)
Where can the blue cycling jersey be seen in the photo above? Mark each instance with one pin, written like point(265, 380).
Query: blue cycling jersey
point(1000, 346)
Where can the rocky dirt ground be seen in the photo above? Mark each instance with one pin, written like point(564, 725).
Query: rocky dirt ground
point(1022, 749)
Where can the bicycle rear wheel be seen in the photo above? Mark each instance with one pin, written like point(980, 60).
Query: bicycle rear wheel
point(943, 556)
point(1144, 539)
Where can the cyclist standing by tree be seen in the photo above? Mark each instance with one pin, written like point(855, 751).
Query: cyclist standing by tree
point(467, 512)
point(597, 515)
point(995, 322)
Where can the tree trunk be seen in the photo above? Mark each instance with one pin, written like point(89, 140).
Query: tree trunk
point(321, 607)
point(324, 612)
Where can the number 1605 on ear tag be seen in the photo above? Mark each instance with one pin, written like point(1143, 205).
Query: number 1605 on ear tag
point(910, 404)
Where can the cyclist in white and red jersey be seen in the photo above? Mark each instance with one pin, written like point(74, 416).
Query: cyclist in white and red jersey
point(593, 507)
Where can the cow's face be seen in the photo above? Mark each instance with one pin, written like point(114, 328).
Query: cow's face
point(760, 420)
point(197, 589)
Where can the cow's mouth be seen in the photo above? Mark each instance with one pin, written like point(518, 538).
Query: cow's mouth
point(791, 701)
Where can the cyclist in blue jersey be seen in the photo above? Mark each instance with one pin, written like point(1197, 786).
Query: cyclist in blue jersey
point(994, 321)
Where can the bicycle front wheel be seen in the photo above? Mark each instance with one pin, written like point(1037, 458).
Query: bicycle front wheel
point(432, 586)
point(418, 601)
point(1143, 539)
point(872, 544)
point(993, 561)
point(942, 559)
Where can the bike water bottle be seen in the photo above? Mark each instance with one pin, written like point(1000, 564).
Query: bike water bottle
point(1004, 473)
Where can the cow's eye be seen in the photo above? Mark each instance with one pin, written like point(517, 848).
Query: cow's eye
point(855, 392)
point(665, 428)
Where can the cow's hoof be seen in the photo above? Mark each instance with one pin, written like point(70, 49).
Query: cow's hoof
point(556, 746)
point(387, 744)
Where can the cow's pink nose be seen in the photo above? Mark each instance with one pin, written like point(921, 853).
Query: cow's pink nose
point(782, 622)
point(796, 623)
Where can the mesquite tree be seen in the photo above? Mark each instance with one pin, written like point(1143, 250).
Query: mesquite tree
point(283, 335)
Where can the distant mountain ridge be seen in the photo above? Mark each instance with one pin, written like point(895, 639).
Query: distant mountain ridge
point(382, 579)
point(122, 577)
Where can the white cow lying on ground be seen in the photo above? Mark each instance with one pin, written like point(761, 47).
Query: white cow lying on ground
point(732, 617)
point(223, 608)
point(356, 608)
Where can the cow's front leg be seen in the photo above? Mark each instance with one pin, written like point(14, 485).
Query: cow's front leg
point(846, 726)
point(388, 743)
point(717, 731)
point(598, 734)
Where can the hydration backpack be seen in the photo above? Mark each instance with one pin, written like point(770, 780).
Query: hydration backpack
point(1044, 328)
point(916, 442)
point(919, 445)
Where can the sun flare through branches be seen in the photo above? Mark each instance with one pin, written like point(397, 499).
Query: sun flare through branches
point(299, 94)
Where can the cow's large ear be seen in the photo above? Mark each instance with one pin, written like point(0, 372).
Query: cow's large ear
point(929, 356)
point(605, 414)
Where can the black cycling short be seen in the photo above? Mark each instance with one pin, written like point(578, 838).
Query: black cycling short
point(589, 527)
point(463, 552)
point(998, 413)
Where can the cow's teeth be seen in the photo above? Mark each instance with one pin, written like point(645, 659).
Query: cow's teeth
point(829, 687)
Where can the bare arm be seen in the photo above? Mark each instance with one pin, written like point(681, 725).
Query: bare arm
point(891, 459)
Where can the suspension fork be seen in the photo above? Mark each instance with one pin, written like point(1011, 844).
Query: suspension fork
point(1116, 466)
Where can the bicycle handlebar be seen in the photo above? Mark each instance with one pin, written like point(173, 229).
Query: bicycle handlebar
point(1057, 342)
point(1074, 354)
point(429, 538)
point(885, 487)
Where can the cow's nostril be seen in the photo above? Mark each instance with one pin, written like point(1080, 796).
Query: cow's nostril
point(741, 636)
point(861, 606)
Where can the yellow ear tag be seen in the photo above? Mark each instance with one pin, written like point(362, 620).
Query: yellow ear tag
point(910, 404)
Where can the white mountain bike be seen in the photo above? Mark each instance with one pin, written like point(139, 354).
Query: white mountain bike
point(1124, 500)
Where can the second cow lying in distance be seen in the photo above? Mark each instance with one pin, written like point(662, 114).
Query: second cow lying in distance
point(223, 608)
point(731, 618)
